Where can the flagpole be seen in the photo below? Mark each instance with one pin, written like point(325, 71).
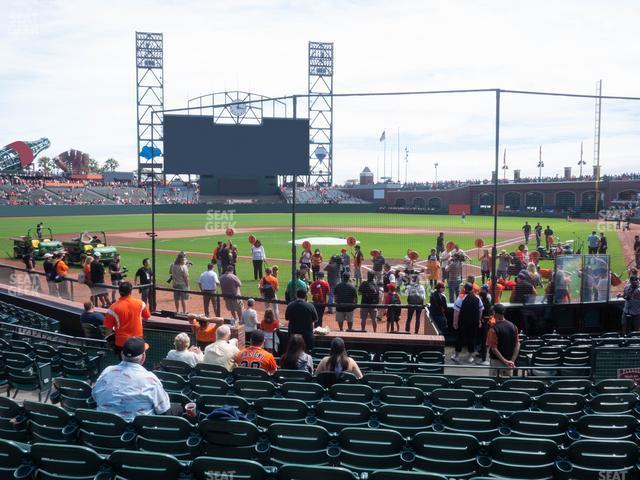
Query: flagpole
point(384, 158)
point(398, 154)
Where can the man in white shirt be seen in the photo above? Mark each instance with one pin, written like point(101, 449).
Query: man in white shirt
point(208, 284)
point(250, 317)
point(223, 351)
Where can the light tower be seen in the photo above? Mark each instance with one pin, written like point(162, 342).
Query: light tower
point(149, 97)
point(320, 113)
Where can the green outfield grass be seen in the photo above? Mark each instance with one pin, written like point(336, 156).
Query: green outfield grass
point(393, 242)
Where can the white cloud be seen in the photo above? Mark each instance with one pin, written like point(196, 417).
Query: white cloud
point(68, 74)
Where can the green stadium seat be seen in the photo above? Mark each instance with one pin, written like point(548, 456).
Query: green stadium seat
point(606, 427)
point(589, 459)
point(428, 383)
point(284, 375)
point(405, 475)
point(366, 450)
point(209, 468)
point(252, 389)
point(77, 364)
point(401, 396)
point(65, 462)
point(247, 373)
point(362, 357)
point(532, 387)
point(25, 374)
point(166, 434)
point(450, 454)
point(579, 386)
point(522, 458)
point(72, 394)
point(478, 385)
point(379, 380)
point(612, 403)
point(305, 472)
point(406, 419)
point(430, 357)
point(46, 353)
point(104, 432)
point(443, 398)
point(546, 357)
point(13, 421)
point(208, 370)
point(12, 456)
point(506, 401)
point(208, 386)
point(334, 416)
point(47, 422)
point(351, 392)
point(614, 385)
point(279, 410)
point(298, 444)
point(481, 423)
point(570, 404)
point(393, 357)
point(92, 331)
point(549, 425)
point(172, 382)
point(326, 379)
point(129, 465)
point(320, 352)
point(208, 403)
point(309, 392)
point(229, 439)
point(576, 356)
point(21, 346)
point(176, 366)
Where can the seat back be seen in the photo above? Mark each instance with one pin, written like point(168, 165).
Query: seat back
point(130, 465)
point(607, 427)
point(539, 425)
point(379, 380)
point(252, 389)
point(208, 370)
point(77, 364)
point(172, 382)
point(436, 359)
point(351, 392)
point(65, 461)
point(532, 387)
point(164, 434)
point(481, 423)
point(298, 444)
point(284, 375)
point(73, 394)
point(13, 422)
point(365, 450)
point(208, 403)
point(612, 403)
point(229, 439)
point(443, 398)
point(284, 410)
point(571, 404)
point(309, 392)
point(428, 383)
point(102, 431)
point(176, 366)
point(615, 385)
point(579, 386)
point(478, 385)
point(91, 331)
point(46, 422)
point(589, 456)
point(450, 454)
point(402, 395)
point(506, 401)
point(525, 458)
point(306, 472)
point(334, 415)
point(393, 357)
point(208, 386)
point(406, 419)
point(243, 373)
point(208, 468)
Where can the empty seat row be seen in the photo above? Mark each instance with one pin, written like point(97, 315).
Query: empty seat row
point(28, 318)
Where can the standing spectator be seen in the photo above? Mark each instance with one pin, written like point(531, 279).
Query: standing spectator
point(487, 320)
point(345, 262)
point(208, 284)
point(230, 287)
point(269, 290)
point(504, 259)
point(269, 325)
point(128, 389)
point(415, 297)
point(438, 307)
point(538, 234)
point(89, 315)
point(631, 309)
point(526, 230)
point(440, 244)
point(548, 237)
point(592, 243)
point(115, 272)
point(255, 356)
point(338, 361)
point(61, 271)
point(144, 278)
point(433, 268)
point(524, 291)
point(333, 278)
point(29, 261)
point(302, 316)
point(250, 317)
point(636, 250)
point(503, 341)
point(223, 351)
point(39, 230)
point(345, 294)
point(370, 295)
point(602, 244)
point(233, 256)
point(392, 299)
point(358, 258)
point(316, 263)
point(388, 277)
point(99, 290)
point(467, 319)
point(224, 258)
point(454, 272)
point(378, 264)
point(49, 272)
point(179, 272)
point(215, 258)
point(305, 258)
point(125, 316)
point(296, 358)
point(319, 293)
point(485, 265)
point(258, 257)
point(445, 258)
point(183, 352)
point(294, 285)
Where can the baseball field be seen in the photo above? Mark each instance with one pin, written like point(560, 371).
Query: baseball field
point(197, 235)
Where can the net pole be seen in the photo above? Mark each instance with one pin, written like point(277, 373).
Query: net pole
point(494, 249)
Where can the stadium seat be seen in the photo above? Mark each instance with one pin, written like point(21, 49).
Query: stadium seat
point(92, 331)
point(576, 356)
point(129, 465)
point(506, 401)
point(21, 346)
point(379, 380)
point(47, 422)
point(65, 462)
point(553, 426)
point(320, 352)
point(24, 373)
point(310, 393)
point(363, 359)
point(351, 392)
point(366, 450)
point(393, 357)
point(401, 396)
point(46, 353)
point(208, 370)
point(428, 383)
point(172, 382)
point(279, 410)
point(306, 472)
point(229, 439)
point(614, 385)
point(443, 398)
point(532, 387)
point(334, 416)
point(252, 389)
point(176, 366)
point(210, 468)
point(404, 475)
point(208, 386)
point(588, 459)
point(449, 454)
point(12, 456)
point(166, 434)
point(578, 386)
point(298, 444)
point(483, 424)
point(103, 431)
point(284, 375)
point(13, 421)
point(326, 379)
point(72, 394)
point(430, 357)
point(77, 364)
point(247, 373)
point(478, 385)
point(607, 427)
point(522, 458)
point(570, 404)
point(408, 420)
point(208, 403)
point(546, 357)
point(612, 403)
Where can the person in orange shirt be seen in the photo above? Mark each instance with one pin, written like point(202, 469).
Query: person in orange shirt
point(269, 325)
point(125, 316)
point(270, 294)
point(255, 356)
point(205, 331)
point(61, 270)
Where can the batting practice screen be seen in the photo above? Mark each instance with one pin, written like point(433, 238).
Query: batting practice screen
point(196, 145)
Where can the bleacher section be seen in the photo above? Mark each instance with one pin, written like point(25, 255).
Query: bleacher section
point(325, 195)
point(79, 195)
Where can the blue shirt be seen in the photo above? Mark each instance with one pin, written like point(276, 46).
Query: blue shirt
point(593, 241)
point(128, 390)
point(94, 318)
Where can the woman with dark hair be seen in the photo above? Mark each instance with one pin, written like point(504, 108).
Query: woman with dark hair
point(295, 358)
point(338, 361)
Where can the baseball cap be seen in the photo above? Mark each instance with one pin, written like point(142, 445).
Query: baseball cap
point(499, 308)
point(97, 254)
point(344, 250)
point(485, 287)
point(48, 255)
point(134, 347)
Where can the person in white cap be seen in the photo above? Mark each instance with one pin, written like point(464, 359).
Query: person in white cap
point(49, 272)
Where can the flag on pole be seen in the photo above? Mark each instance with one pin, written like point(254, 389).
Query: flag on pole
point(383, 136)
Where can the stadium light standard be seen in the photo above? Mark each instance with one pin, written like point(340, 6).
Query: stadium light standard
point(504, 167)
point(581, 162)
point(436, 167)
point(540, 163)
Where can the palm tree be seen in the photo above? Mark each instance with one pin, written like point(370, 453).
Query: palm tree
point(93, 166)
point(45, 164)
point(110, 165)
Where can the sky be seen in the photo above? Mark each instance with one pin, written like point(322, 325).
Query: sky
point(68, 74)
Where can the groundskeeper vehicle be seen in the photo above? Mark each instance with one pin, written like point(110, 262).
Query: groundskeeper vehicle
point(88, 243)
point(46, 244)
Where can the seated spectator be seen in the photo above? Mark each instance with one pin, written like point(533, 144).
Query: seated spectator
point(255, 356)
point(91, 316)
point(224, 350)
point(250, 317)
point(269, 326)
point(128, 389)
point(296, 358)
point(183, 352)
point(205, 331)
point(338, 361)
